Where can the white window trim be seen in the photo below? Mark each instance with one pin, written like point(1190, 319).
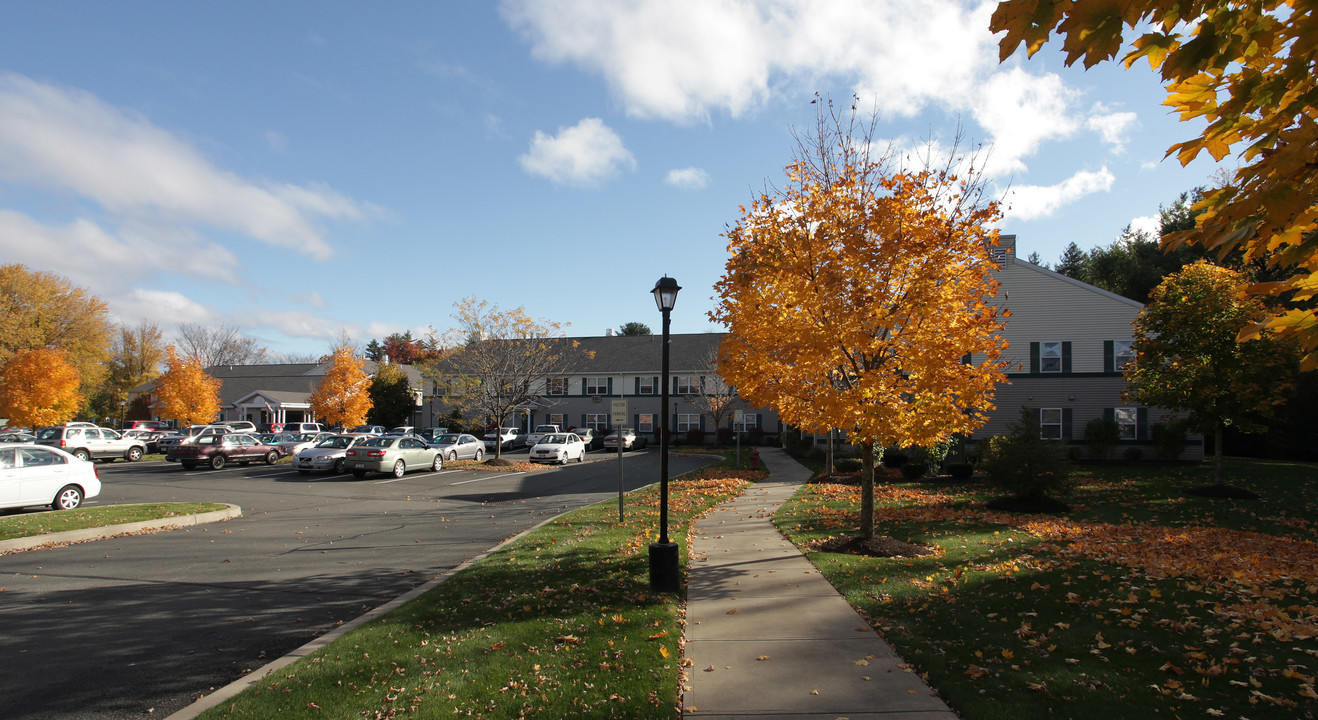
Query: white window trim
point(645, 423)
point(1131, 424)
point(688, 421)
point(646, 386)
point(1043, 346)
point(1118, 363)
point(691, 384)
point(562, 386)
point(597, 421)
point(749, 422)
point(600, 385)
point(1043, 426)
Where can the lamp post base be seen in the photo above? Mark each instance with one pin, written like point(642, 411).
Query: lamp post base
point(663, 567)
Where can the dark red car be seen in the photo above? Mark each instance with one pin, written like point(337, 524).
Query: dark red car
point(220, 450)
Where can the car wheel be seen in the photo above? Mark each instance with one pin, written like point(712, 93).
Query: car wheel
point(400, 469)
point(340, 466)
point(188, 465)
point(217, 462)
point(359, 474)
point(453, 455)
point(134, 454)
point(480, 455)
point(562, 459)
point(271, 457)
point(82, 455)
point(437, 464)
point(68, 497)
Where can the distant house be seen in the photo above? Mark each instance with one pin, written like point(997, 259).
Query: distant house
point(278, 393)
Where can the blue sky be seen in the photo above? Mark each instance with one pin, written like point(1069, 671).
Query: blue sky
point(298, 170)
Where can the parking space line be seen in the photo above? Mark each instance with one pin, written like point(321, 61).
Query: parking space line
point(487, 477)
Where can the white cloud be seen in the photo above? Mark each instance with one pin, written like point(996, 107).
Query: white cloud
point(276, 140)
point(164, 307)
point(1021, 111)
point(1028, 202)
point(1113, 127)
point(68, 140)
point(689, 178)
point(1150, 224)
point(583, 154)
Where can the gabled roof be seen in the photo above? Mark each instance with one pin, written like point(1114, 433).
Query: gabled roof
point(632, 354)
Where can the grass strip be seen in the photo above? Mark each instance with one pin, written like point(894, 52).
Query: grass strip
point(560, 623)
point(1142, 602)
point(41, 523)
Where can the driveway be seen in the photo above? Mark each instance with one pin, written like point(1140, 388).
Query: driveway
point(127, 626)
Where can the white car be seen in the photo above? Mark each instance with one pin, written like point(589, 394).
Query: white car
point(299, 442)
point(328, 454)
point(509, 438)
point(559, 448)
point(37, 475)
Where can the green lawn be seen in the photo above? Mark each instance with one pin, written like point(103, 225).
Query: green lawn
point(29, 524)
point(1143, 602)
point(559, 624)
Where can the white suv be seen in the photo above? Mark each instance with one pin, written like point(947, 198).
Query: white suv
point(86, 441)
point(299, 428)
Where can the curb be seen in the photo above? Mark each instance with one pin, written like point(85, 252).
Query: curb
point(50, 540)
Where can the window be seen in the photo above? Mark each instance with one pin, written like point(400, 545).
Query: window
point(597, 421)
point(556, 419)
point(748, 422)
point(1128, 420)
point(597, 386)
point(688, 421)
point(1050, 423)
point(1123, 354)
point(645, 385)
point(687, 384)
point(1050, 357)
point(557, 386)
point(645, 423)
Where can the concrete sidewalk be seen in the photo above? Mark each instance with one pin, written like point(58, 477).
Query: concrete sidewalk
point(768, 636)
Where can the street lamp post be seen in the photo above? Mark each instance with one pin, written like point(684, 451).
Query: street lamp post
point(663, 554)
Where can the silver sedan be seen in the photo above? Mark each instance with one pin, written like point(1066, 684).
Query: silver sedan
point(459, 446)
point(394, 454)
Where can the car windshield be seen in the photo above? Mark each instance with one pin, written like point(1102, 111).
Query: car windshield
point(306, 436)
point(446, 439)
point(336, 442)
point(554, 439)
point(364, 429)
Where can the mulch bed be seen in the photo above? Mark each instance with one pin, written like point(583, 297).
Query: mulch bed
point(881, 546)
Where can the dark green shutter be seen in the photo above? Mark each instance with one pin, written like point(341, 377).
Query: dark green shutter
point(638, 387)
point(965, 359)
point(610, 386)
point(1109, 357)
point(1110, 414)
point(1142, 423)
point(1066, 356)
point(583, 386)
point(1034, 358)
point(1066, 422)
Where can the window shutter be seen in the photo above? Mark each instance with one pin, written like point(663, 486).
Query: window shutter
point(1142, 423)
point(702, 421)
point(1034, 358)
point(965, 359)
point(1109, 357)
point(1066, 356)
point(636, 419)
point(1110, 414)
point(583, 386)
point(638, 387)
point(674, 384)
point(1066, 422)
point(654, 383)
point(583, 420)
point(610, 386)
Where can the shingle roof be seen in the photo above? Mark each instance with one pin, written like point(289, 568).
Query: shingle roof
point(643, 353)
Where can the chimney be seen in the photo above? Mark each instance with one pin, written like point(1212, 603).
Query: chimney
point(608, 332)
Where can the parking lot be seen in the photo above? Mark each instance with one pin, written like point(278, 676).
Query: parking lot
point(144, 624)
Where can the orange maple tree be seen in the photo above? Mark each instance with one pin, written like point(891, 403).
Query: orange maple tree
point(343, 396)
point(185, 392)
point(1247, 69)
point(853, 296)
point(39, 387)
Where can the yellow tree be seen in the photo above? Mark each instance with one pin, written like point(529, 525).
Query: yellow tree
point(343, 396)
point(1246, 70)
point(853, 295)
point(45, 310)
point(39, 387)
point(185, 392)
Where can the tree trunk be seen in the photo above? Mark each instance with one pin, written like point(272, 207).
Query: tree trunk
point(867, 490)
point(1219, 476)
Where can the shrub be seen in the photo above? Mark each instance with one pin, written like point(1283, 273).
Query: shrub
point(960, 470)
point(725, 436)
point(1133, 454)
point(1101, 437)
point(914, 470)
point(847, 465)
point(755, 436)
point(1169, 439)
point(695, 437)
point(894, 458)
point(1025, 465)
